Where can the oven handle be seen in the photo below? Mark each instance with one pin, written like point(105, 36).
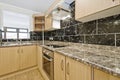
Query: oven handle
point(49, 59)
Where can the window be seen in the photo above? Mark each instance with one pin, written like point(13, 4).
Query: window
point(15, 33)
point(15, 25)
point(23, 34)
point(10, 35)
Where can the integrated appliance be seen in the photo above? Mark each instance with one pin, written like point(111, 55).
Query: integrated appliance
point(48, 63)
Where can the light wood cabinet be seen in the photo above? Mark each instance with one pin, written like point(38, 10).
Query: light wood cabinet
point(39, 56)
point(114, 78)
point(39, 23)
point(84, 8)
point(100, 75)
point(77, 71)
point(48, 22)
point(28, 56)
point(59, 67)
point(16, 58)
point(66, 68)
point(9, 60)
point(71, 69)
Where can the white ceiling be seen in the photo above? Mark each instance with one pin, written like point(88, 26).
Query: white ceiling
point(35, 5)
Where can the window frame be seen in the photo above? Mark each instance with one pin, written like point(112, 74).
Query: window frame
point(17, 31)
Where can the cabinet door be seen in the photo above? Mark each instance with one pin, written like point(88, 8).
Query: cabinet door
point(77, 71)
point(39, 55)
point(100, 75)
point(48, 22)
point(9, 60)
point(114, 78)
point(71, 69)
point(59, 67)
point(28, 57)
point(87, 7)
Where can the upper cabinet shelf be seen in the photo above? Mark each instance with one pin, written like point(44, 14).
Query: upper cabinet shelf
point(39, 23)
point(87, 10)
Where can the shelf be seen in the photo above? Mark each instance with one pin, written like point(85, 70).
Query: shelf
point(40, 23)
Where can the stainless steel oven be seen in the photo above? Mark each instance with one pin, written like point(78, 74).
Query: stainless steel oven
point(48, 63)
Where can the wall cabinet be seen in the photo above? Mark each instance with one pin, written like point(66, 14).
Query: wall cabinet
point(39, 23)
point(85, 8)
point(48, 22)
point(16, 58)
point(9, 60)
point(66, 68)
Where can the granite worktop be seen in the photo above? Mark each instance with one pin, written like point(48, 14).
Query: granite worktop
point(106, 58)
point(15, 44)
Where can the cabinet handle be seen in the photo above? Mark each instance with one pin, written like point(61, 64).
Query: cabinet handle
point(68, 68)
point(113, 0)
point(62, 65)
point(21, 50)
point(18, 51)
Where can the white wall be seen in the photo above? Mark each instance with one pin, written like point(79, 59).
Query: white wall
point(16, 10)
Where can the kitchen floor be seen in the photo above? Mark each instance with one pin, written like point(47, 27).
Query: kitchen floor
point(30, 75)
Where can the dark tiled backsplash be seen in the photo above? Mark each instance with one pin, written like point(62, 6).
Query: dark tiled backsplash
point(105, 31)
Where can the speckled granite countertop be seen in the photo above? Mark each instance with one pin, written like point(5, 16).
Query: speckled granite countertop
point(106, 58)
point(15, 44)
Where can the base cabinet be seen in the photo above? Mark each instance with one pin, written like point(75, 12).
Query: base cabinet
point(28, 56)
point(59, 67)
point(9, 60)
point(114, 78)
point(76, 70)
point(100, 75)
point(66, 68)
point(16, 58)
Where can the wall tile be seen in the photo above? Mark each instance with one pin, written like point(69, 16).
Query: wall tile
point(118, 39)
point(101, 39)
point(87, 28)
point(109, 24)
point(67, 38)
point(72, 30)
point(77, 39)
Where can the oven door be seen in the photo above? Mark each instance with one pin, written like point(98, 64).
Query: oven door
point(48, 66)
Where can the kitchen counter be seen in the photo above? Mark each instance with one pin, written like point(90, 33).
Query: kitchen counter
point(15, 44)
point(106, 58)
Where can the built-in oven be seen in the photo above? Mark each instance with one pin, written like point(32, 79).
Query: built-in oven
point(48, 63)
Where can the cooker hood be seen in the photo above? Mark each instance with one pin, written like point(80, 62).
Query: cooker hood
point(62, 10)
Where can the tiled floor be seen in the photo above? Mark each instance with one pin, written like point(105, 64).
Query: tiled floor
point(31, 75)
